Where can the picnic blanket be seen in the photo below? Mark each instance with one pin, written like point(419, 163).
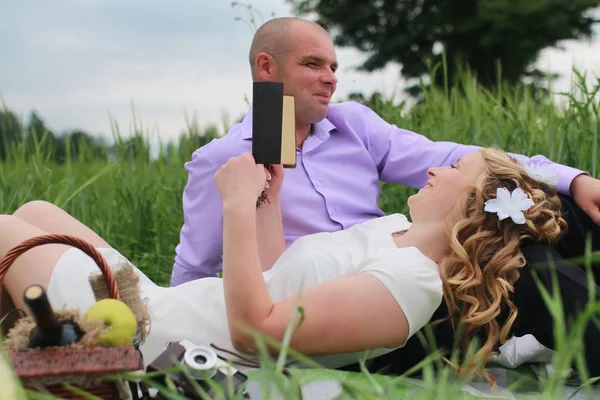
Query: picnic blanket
point(522, 370)
point(327, 384)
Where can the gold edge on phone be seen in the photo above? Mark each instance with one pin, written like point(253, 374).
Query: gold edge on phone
point(288, 133)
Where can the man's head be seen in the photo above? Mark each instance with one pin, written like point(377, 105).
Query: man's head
point(300, 54)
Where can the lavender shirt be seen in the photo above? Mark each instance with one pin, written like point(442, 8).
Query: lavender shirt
point(334, 185)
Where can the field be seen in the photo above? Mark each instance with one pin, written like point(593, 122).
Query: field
point(135, 203)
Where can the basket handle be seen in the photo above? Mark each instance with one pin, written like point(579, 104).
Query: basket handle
point(82, 245)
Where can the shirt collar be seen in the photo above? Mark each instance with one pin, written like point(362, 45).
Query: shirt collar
point(321, 129)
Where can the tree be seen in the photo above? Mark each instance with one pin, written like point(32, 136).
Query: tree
point(79, 145)
point(74, 145)
point(11, 133)
point(479, 35)
point(40, 139)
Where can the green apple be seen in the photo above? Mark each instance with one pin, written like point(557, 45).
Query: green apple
point(118, 318)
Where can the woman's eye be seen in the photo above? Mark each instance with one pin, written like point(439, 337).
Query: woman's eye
point(453, 165)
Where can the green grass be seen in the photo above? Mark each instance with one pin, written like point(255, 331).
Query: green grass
point(135, 203)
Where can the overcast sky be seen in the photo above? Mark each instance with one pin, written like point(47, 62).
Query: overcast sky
point(79, 63)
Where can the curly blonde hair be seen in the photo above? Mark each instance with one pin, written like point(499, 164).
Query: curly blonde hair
point(485, 256)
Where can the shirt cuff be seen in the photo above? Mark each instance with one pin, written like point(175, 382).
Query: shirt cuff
point(566, 175)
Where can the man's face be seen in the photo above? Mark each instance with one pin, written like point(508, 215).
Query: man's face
point(308, 72)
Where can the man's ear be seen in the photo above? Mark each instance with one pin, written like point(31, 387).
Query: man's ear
point(266, 67)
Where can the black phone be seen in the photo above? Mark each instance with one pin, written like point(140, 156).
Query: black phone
point(273, 125)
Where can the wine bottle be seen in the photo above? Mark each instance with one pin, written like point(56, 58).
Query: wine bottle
point(49, 331)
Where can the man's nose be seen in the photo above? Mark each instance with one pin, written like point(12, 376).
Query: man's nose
point(329, 77)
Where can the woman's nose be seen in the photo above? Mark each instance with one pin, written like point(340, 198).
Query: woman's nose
point(431, 172)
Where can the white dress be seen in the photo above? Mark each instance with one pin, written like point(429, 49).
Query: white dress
point(196, 310)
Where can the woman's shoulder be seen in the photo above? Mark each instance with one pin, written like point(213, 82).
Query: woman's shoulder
point(399, 262)
point(412, 256)
point(391, 222)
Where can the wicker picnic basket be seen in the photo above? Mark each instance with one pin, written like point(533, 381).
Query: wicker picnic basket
point(83, 364)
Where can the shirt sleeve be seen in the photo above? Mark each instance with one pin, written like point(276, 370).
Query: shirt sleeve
point(199, 251)
point(414, 282)
point(403, 157)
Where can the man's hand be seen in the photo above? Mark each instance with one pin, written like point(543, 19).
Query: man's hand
point(586, 193)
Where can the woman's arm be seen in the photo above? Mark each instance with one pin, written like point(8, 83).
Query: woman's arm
point(340, 316)
point(246, 297)
point(269, 223)
point(349, 314)
point(269, 231)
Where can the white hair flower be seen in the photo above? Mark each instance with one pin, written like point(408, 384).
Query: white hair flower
point(509, 205)
point(542, 173)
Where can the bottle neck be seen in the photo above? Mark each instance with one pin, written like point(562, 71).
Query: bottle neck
point(49, 331)
point(43, 314)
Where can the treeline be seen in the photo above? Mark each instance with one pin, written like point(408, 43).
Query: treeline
point(22, 139)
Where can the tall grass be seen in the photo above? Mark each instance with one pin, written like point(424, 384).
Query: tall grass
point(11, 387)
point(135, 202)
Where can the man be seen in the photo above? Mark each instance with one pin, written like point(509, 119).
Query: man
point(343, 151)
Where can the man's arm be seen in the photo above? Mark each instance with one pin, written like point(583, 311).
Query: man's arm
point(403, 157)
point(198, 254)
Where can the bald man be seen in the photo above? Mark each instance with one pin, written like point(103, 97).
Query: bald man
point(343, 152)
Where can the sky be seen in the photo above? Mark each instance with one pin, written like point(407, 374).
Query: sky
point(85, 64)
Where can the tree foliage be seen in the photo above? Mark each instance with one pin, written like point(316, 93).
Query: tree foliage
point(479, 35)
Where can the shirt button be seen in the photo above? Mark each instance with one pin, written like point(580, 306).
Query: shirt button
point(317, 183)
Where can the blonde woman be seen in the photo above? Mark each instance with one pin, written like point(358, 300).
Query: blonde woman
point(369, 287)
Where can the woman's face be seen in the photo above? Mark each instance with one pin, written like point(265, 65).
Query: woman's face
point(437, 198)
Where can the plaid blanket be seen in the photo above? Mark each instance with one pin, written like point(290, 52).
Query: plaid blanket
point(522, 369)
point(522, 383)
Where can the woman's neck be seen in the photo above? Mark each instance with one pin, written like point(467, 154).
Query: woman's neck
point(430, 238)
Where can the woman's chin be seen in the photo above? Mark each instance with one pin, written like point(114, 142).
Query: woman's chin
point(415, 203)
point(415, 197)
point(411, 200)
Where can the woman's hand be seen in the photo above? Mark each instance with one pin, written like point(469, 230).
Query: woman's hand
point(274, 181)
point(241, 181)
